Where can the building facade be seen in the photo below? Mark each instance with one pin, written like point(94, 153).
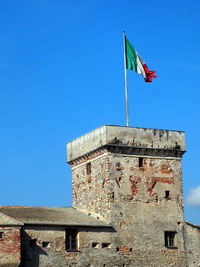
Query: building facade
point(127, 206)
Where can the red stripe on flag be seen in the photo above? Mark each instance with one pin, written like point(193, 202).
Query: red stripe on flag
point(150, 74)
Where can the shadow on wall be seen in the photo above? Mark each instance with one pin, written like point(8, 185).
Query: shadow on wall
point(30, 252)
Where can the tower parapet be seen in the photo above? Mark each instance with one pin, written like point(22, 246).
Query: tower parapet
point(134, 140)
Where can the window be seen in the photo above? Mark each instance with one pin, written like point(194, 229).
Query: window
point(71, 240)
point(1, 234)
point(170, 239)
point(106, 245)
point(95, 245)
point(88, 168)
point(140, 162)
point(112, 196)
point(167, 195)
point(45, 244)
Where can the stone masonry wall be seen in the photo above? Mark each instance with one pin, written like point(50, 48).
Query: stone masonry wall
point(45, 246)
point(92, 192)
point(10, 248)
point(140, 202)
point(192, 240)
point(88, 255)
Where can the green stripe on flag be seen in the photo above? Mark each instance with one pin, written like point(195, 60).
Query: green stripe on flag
point(131, 56)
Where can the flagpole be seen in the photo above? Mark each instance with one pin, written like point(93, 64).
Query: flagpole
point(126, 81)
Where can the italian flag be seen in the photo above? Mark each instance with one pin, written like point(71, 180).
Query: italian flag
point(136, 63)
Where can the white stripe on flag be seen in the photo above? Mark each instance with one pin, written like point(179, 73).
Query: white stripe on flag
point(140, 68)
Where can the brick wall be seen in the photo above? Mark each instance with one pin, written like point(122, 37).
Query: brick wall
point(10, 247)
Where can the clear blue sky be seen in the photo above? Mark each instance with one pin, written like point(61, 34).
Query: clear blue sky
point(61, 75)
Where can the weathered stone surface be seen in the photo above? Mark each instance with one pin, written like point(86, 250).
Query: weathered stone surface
point(10, 246)
point(130, 137)
point(138, 192)
point(192, 240)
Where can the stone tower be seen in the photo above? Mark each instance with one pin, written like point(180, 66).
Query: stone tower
point(132, 178)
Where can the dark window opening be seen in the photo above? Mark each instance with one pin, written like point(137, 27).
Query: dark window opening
point(95, 245)
point(1, 234)
point(170, 239)
point(106, 245)
point(71, 240)
point(45, 244)
point(88, 168)
point(140, 162)
point(167, 195)
point(33, 242)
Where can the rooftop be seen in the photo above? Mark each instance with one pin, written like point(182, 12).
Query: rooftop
point(51, 216)
point(6, 220)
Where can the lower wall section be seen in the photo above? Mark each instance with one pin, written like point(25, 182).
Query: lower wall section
point(129, 259)
point(109, 258)
point(46, 247)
